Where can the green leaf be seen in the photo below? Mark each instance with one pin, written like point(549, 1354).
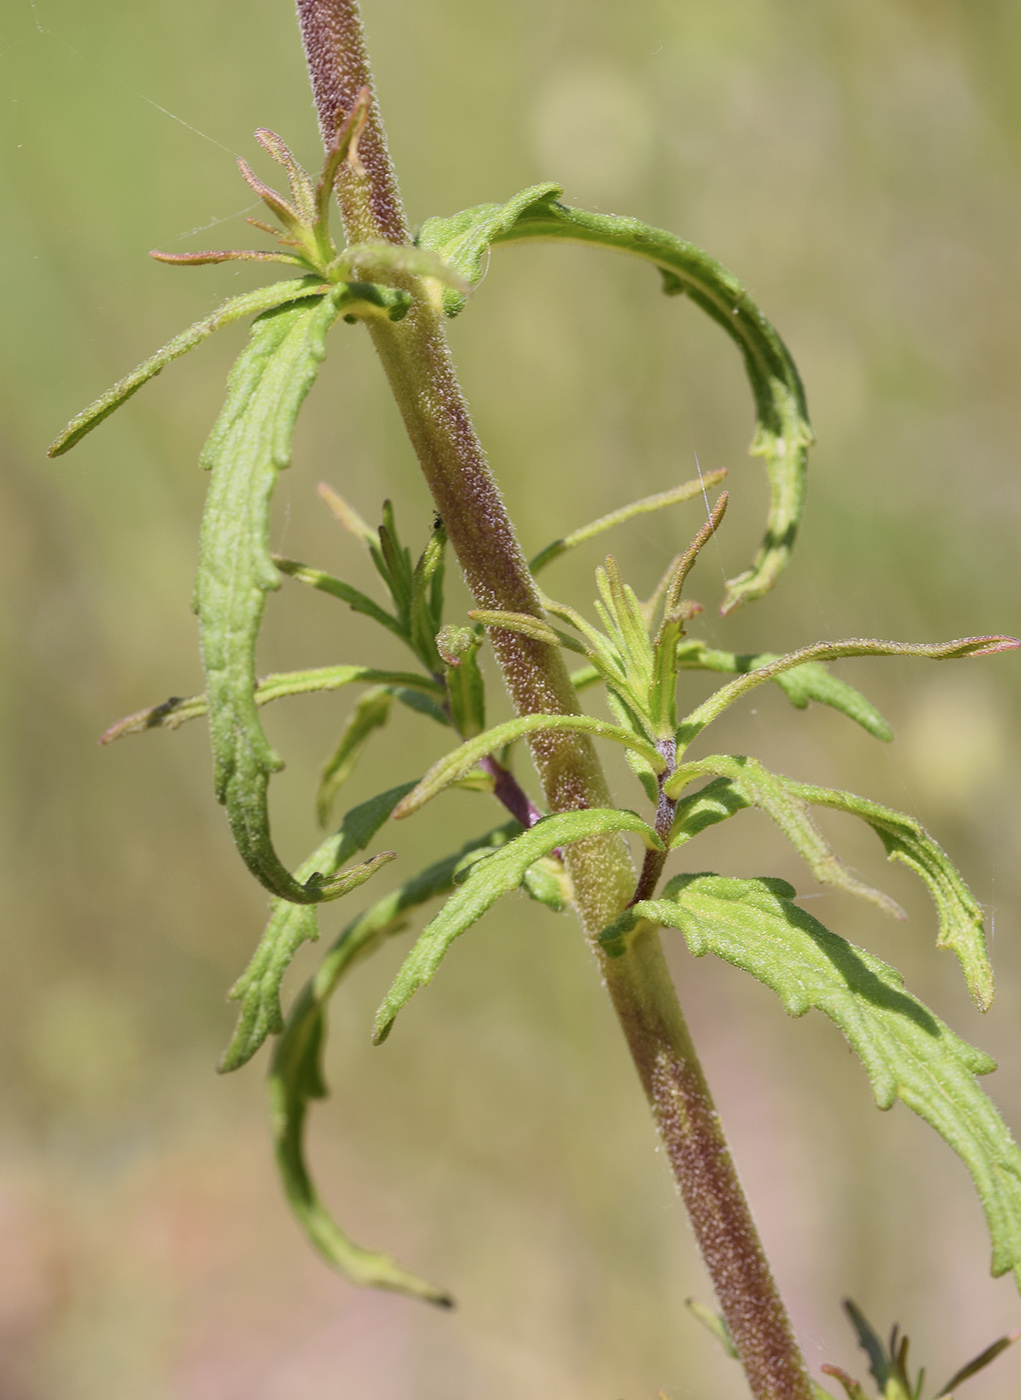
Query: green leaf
point(783, 434)
point(326, 583)
point(526, 626)
point(389, 263)
point(906, 840)
point(813, 682)
point(620, 612)
point(743, 782)
point(548, 883)
point(176, 711)
point(426, 610)
point(808, 682)
point(693, 723)
point(249, 445)
point(290, 925)
point(690, 490)
point(393, 563)
point(458, 764)
point(296, 1075)
point(870, 1343)
point(979, 1364)
point(714, 803)
point(295, 1080)
point(466, 689)
point(783, 802)
point(371, 712)
point(715, 1323)
point(906, 1051)
point(249, 304)
point(463, 240)
point(487, 882)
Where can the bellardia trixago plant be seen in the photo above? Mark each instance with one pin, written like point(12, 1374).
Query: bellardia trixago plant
point(572, 852)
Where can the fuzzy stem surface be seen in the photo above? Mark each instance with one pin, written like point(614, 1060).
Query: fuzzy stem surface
point(418, 364)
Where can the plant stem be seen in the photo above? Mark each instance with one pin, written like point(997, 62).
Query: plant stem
point(418, 364)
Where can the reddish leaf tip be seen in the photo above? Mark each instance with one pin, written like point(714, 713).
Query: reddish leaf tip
point(996, 644)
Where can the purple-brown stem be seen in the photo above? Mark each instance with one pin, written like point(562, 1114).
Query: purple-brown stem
point(508, 790)
point(418, 364)
point(652, 865)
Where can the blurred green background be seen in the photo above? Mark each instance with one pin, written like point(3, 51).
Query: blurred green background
point(858, 166)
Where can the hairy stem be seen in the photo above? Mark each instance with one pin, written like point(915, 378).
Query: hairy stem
point(419, 367)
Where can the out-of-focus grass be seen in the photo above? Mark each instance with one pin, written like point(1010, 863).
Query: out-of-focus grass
point(858, 167)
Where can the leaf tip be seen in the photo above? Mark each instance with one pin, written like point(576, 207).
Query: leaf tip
point(992, 645)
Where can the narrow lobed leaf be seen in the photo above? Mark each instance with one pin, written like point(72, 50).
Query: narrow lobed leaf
point(221, 255)
point(743, 782)
point(690, 490)
point(870, 1343)
point(236, 309)
point(372, 712)
point(783, 802)
point(689, 558)
point(463, 240)
point(357, 601)
point(488, 881)
point(783, 434)
point(289, 217)
point(906, 1051)
point(461, 761)
point(808, 682)
point(906, 840)
point(980, 1362)
point(302, 190)
point(696, 721)
point(172, 713)
point(290, 925)
point(247, 448)
point(526, 626)
point(296, 1076)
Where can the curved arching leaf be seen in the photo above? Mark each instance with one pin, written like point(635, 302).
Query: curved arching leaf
point(296, 1075)
point(807, 683)
point(290, 925)
point(693, 724)
point(907, 1052)
point(248, 447)
point(294, 1080)
point(487, 881)
point(783, 434)
point(461, 761)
